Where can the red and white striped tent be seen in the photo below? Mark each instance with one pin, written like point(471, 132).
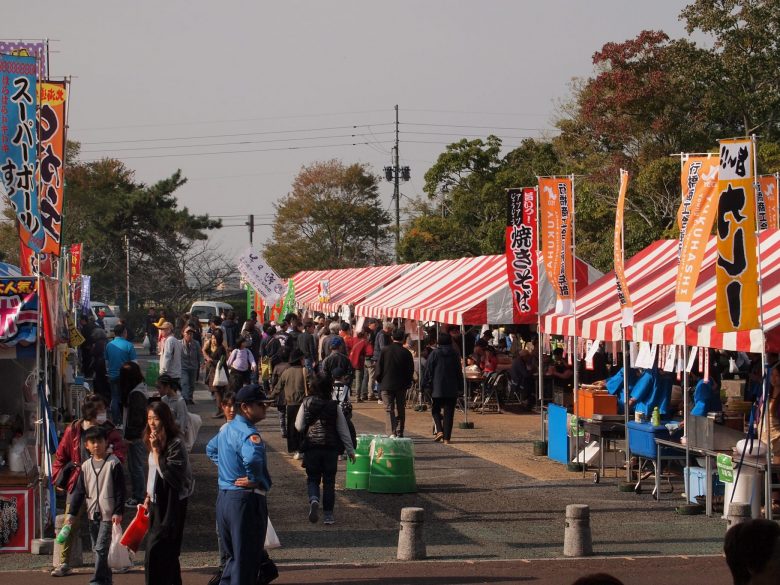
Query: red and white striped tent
point(305, 282)
point(351, 285)
point(650, 274)
point(660, 326)
point(466, 291)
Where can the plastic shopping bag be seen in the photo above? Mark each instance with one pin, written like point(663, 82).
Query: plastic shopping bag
point(136, 530)
point(147, 344)
point(220, 377)
point(119, 558)
point(192, 430)
point(271, 539)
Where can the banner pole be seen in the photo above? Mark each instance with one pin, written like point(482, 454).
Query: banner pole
point(625, 405)
point(766, 415)
point(540, 377)
point(575, 352)
point(465, 391)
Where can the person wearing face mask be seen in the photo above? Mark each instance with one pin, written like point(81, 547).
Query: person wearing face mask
point(66, 468)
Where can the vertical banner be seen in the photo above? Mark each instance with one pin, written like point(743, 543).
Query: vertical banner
point(767, 193)
point(626, 307)
point(19, 135)
point(260, 275)
point(323, 290)
point(520, 250)
point(75, 261)
point(37, 50)
point(699, 179)
point(86, 294)
point(52, 96)
point(555, 201)
point(736, 307)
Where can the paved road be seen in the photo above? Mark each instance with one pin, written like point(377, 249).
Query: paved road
point(487, 498)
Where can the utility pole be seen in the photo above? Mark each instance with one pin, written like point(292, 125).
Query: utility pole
point(127, 274)
point(395, 174)
point(251, 225)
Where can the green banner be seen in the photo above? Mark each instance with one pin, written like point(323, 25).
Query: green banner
point(725, 468)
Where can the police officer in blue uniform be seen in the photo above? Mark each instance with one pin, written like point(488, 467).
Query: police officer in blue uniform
point(242, 512)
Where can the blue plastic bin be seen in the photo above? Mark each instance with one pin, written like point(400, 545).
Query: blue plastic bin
point(641, 439)
point(558, 435)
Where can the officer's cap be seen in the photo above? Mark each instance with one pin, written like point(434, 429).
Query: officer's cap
point(251, 393)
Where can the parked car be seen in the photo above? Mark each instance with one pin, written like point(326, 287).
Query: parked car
point(109, 319)
point(205, 310)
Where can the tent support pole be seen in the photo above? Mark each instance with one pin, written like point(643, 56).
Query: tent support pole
point(463, 365)
point(625, 404)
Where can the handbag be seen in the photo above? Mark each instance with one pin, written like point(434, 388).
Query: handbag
point(63, 477)
point(220, 376)
point(271, 538)
point(136, 530)
point(119, 556)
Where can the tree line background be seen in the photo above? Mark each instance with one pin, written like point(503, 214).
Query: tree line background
point(649, 97)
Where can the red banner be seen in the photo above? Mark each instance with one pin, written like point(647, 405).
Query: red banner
point(521, 265)
point(75, 262)
point(29, 262)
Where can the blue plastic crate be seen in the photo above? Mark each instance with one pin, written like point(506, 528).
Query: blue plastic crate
point(641, 439)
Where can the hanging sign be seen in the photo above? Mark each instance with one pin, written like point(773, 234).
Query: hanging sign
point(18, 311)
point(626, 306)
point(520, 251)
point(725, 464)
point(557, 213)
point(263, 279)
point(768, 188)
point(323, 290)
point(699, 178)
point(736, 307)
point(19, 135)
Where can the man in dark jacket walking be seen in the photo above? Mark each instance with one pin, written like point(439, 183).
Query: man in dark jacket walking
point(444, 376)
point(394, 372)
point(308, 346)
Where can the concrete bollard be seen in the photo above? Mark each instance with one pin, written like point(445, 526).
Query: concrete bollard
point(411, 541)
point(576, 538)
point(738, 513)
point(76, 556)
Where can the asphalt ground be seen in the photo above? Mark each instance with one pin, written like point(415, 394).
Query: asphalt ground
point(486, 499)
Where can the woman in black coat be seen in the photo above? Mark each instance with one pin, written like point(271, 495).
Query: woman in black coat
point(169, 486)
point(444, 378)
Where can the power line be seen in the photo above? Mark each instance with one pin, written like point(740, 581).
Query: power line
point(473, 126)
point(236, 134)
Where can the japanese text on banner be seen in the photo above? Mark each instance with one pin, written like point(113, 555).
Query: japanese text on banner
point(736, 307)
point(263, 279)
point(521, 253)
point(557, 222)
point(51, 162)
point(624, 298)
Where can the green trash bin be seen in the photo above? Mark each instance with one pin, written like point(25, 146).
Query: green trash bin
point(358, 472)
point(392, 466)
point(152, 373)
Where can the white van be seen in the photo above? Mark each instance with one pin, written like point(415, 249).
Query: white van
point(205, 310)
point(110, 320)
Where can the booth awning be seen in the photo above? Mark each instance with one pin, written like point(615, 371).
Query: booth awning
point(352, 285)
point(465, 291)
point(649, 274)
point(660, 325)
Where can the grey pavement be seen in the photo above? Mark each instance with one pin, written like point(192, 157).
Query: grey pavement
point(478, 511)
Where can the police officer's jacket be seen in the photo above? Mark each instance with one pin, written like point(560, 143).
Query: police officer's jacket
point(239, 451)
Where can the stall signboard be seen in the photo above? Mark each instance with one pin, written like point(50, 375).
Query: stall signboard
point(18, 311)
point(52, 96)
point(725, 465)
point(17, 512)
point(736, 300)
point(557, 213)
point(699, 181)
point(323, 290)
point(521, 253)
point(624, 298)
point(19, 136)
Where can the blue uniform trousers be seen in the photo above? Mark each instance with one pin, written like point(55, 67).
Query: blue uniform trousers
point(242, 517)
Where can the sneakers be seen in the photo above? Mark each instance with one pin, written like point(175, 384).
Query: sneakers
point(216, 578)
point(62, 571)
point(314, 511)
point(328, 518)
point(131, 503)
point(438, 437)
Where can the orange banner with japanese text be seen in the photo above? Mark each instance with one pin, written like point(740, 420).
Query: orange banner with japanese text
point(51, 167)
point(699, 178)
point(624, 298)
point(555, 197)
point(736, 306)
point(767, 198)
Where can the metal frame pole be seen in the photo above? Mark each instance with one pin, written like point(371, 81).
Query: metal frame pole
point(465, 384)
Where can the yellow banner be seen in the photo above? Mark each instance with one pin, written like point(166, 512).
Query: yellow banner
point(555, 195)
point(736, 306)
point(700, 184)
point(767, 198)
point(626, 307)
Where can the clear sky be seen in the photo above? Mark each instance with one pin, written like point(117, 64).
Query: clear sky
point(166, 84)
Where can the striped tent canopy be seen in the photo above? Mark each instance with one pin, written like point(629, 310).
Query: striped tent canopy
point(9, 270)
point(649, 274)
point(352, 285)
point(465, 291)
point(660, 325)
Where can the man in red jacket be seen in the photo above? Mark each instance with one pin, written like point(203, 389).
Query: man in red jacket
point(357, 357)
